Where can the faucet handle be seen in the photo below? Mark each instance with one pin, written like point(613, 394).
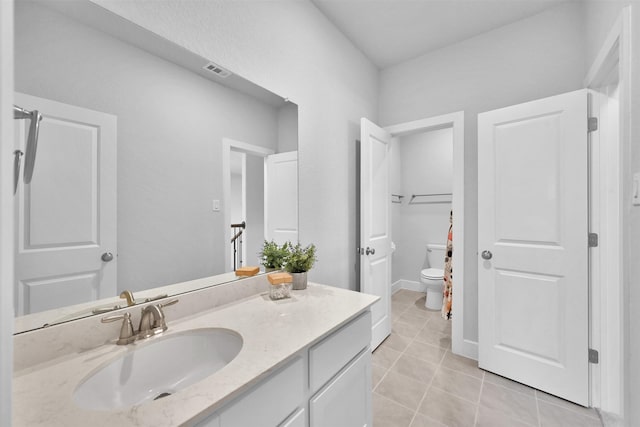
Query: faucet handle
point(127, 335)
point(163, 320)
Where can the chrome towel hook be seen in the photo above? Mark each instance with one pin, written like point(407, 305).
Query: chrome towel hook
point(20, 113)
point(17, 159)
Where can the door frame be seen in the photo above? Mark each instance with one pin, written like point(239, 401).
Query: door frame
point(459, 345)
point(608, 278)
point(6, 209)
point(227, 145)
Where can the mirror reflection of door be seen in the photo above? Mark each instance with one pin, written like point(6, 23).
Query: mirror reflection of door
point(66, 217)
point(281, 197)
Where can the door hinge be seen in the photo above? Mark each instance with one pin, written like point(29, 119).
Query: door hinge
point(593, 240)
point(592, 124)
point(593, 356)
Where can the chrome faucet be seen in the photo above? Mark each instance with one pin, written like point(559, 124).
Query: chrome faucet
point(152, 322)
point(128, 295)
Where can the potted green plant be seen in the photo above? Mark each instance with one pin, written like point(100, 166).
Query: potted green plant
point(298, 262)
point(273, 255)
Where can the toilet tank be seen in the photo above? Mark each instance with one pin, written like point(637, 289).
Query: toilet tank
point(435, 254)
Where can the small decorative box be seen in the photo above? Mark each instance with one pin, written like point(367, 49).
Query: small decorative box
point(247, 271)
point(280, 285)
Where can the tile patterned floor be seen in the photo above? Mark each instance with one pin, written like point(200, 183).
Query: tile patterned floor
point(418, 382)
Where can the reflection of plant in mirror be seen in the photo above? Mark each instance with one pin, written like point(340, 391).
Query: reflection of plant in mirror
point(273, 255)
point(300, 259)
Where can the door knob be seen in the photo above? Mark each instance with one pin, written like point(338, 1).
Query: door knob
point(107, 256)
point(370, 251)
point(486, 255)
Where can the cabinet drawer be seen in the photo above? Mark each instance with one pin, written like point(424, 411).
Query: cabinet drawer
point(270, 402)
point(330, 355)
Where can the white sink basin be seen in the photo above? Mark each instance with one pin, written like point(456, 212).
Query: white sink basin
point(158, 368)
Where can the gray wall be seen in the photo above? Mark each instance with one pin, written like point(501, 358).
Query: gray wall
point(288, 128)
point(532, 58)
point(255, 209)
point(290, 48)
point(170, 128)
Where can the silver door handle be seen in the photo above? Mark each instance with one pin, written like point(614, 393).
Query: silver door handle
point(107, 256)
point(486, 255)
point(370, 251)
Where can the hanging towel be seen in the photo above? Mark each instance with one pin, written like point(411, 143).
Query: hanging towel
point(448, 273)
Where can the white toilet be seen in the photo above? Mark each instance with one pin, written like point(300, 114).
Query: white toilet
point(433, 278)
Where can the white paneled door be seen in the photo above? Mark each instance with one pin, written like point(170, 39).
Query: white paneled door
point(281, 197)
point(533, 244)
point(375, 238)
point(66, 217)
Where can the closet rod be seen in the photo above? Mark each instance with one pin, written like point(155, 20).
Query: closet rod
point(413, 196)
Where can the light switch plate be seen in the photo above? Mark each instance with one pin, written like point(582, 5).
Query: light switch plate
point(635, 197)
point(216, 205)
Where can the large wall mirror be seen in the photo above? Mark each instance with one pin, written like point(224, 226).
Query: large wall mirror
point(147, 154)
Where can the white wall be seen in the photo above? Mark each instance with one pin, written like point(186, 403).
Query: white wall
point(539, 56)
point(600, 17)
point(170, 128)
point(290, 48)
point(288, 128)
point(6, 210)
point(255, 209)
point(425, 166)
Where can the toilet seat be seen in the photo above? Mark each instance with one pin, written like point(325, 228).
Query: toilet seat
point(432, 273)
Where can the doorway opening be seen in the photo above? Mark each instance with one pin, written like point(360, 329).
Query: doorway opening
point(421, 168)
point(260, 200)
point(243, 201)
point(374, 189)
point(443, 138)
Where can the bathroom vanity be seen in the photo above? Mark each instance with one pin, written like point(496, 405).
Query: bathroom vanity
point(303, 361)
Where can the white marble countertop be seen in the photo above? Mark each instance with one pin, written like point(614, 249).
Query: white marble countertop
point(272, 332)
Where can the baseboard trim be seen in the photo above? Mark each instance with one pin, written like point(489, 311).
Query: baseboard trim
point(466, 348)
point(395, 287)
point(408, 285)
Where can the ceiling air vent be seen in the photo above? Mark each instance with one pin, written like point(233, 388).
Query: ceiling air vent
point(217, 70)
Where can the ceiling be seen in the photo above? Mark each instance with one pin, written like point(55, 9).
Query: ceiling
point(393, 31)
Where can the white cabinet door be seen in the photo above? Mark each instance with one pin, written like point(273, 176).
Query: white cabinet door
point(281, 197)
point(296, 420)
point(346, 400)
point(532, 220)
point(375, 246)
point(66, 216)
